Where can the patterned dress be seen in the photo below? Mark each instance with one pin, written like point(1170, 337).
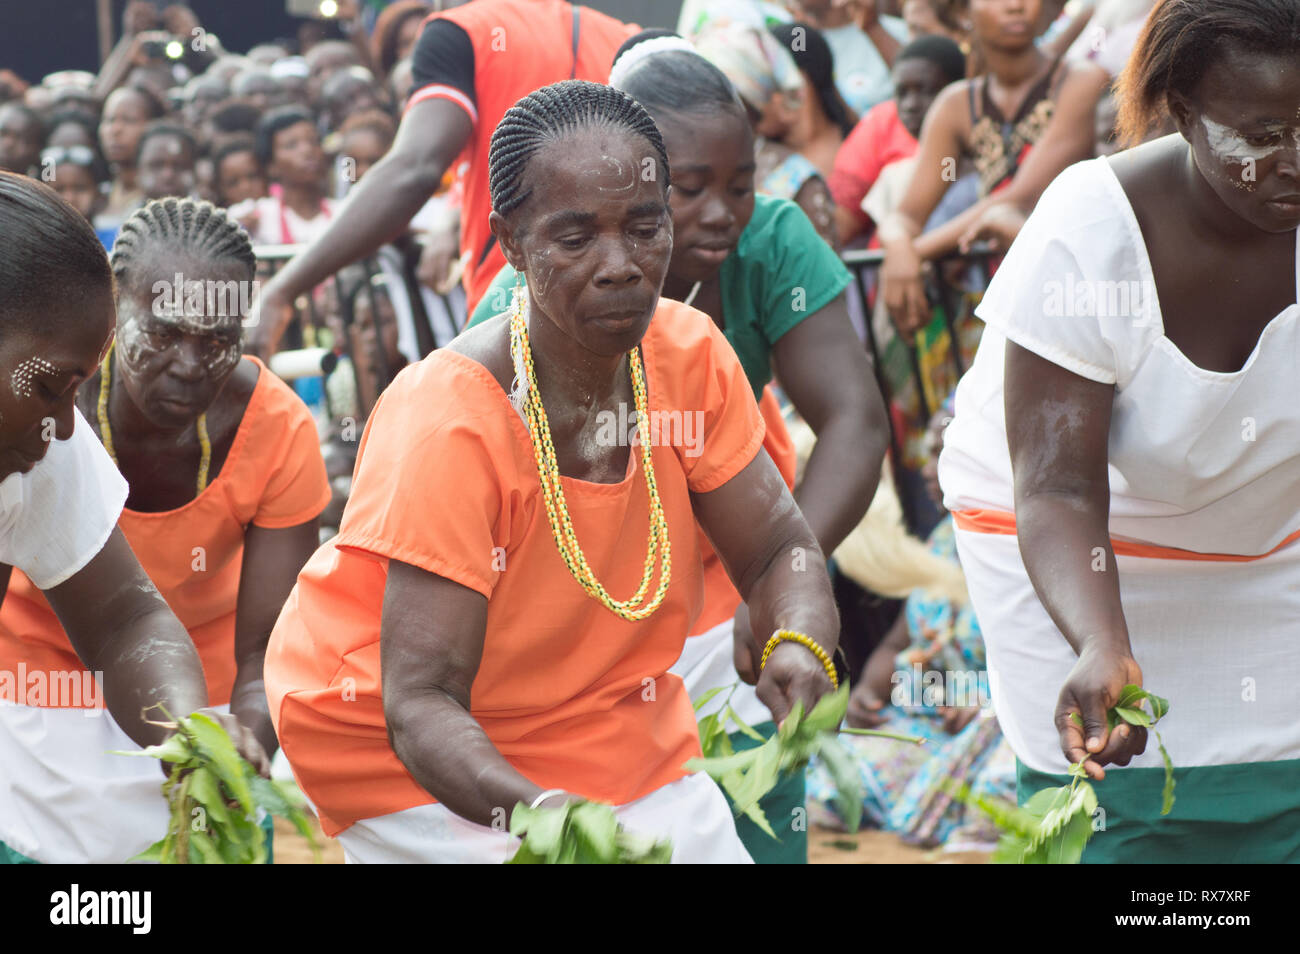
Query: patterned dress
point(903, 782)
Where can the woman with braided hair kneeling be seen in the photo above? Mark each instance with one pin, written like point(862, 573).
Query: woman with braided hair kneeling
point(517, 567)
point(226, 483)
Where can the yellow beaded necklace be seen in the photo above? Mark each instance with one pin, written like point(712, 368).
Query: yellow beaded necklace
point(106, 432)
point(548, 470)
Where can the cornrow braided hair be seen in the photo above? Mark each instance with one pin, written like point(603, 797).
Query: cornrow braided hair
point(550, 114)
point(190, 225)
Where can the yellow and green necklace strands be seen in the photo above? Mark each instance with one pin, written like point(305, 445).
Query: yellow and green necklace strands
point(548, 470)
point(106, 432)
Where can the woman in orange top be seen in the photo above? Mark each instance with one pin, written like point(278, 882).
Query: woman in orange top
point(442, 648)
point(225, 483)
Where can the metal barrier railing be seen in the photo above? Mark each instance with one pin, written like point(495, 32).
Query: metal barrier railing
point(302, 353)
point(941, 294)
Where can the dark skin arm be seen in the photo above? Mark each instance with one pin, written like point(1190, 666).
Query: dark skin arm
point(430, 137)
point(826, 372)
point(872, 690)
point(119, 625)
point(1067, 139)
point(272, 559)
point(432, 635)
point(780, 571)
point(1058, 424)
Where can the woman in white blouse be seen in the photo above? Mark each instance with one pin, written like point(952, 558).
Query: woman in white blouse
point(1124, 464)
point(60, 497)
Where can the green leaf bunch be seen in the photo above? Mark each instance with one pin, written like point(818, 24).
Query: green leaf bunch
point(1129, 708)
point(1054, 825)
point(581, 833)
point(748, 776)
point(214, 796)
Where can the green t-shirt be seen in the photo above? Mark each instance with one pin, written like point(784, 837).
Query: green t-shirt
point(781, 272)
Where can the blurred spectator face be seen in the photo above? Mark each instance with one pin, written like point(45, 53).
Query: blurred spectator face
point(264, 54)
point(408, 35)
point(916, 83)
point(257, 87)
point(326, 59)
point(125, 116)
point(75, 184)
point(351, 90)
point(202, 94)
point(239, 177)
point(77, 98)
point(20, 139)
point(205, 185)
point(12, 86)
point(70, 134)
point(293, 89)
point(1005, 24)
point(364, 147)
point(813, 12)
point(401, 80)
point(923, 19)
point(157, 79)
point(228, 67)
point(38, 98)
point(166, 167)
point(296, 156)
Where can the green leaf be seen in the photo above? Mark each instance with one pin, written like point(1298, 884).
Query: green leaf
point(829, 711)
point(205, 790)
point(1159, 706)
point(1066, 848)
point(720, 766)
point(742, 726)
point(215, 746)
point(1132, 716)
point(843, 770)
point(175, 749)
point(756, 814)
point(595, 829)
point(203, 850)
point(580, 832)
point(1130, 697)
point(762, 776)
point(704, 700)
point(792, 722)
point(1167, 793)
point(155, 851)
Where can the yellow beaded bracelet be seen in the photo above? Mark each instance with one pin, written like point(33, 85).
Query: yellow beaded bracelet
point(782, 635)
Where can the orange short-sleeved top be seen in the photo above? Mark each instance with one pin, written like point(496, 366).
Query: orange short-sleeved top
point(273, 477)
point(573, 696)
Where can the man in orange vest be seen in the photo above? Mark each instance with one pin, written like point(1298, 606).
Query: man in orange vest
point(471, 64)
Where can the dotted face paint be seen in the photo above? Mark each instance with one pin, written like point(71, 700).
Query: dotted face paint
point(20, 382)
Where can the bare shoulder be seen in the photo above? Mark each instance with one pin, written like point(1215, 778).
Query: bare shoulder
point(1145, 172)
point(488, 343)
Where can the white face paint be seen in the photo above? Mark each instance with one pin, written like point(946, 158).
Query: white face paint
point(143, 337)
point(20, 382)
point(619, 178)
point(1229, 145)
